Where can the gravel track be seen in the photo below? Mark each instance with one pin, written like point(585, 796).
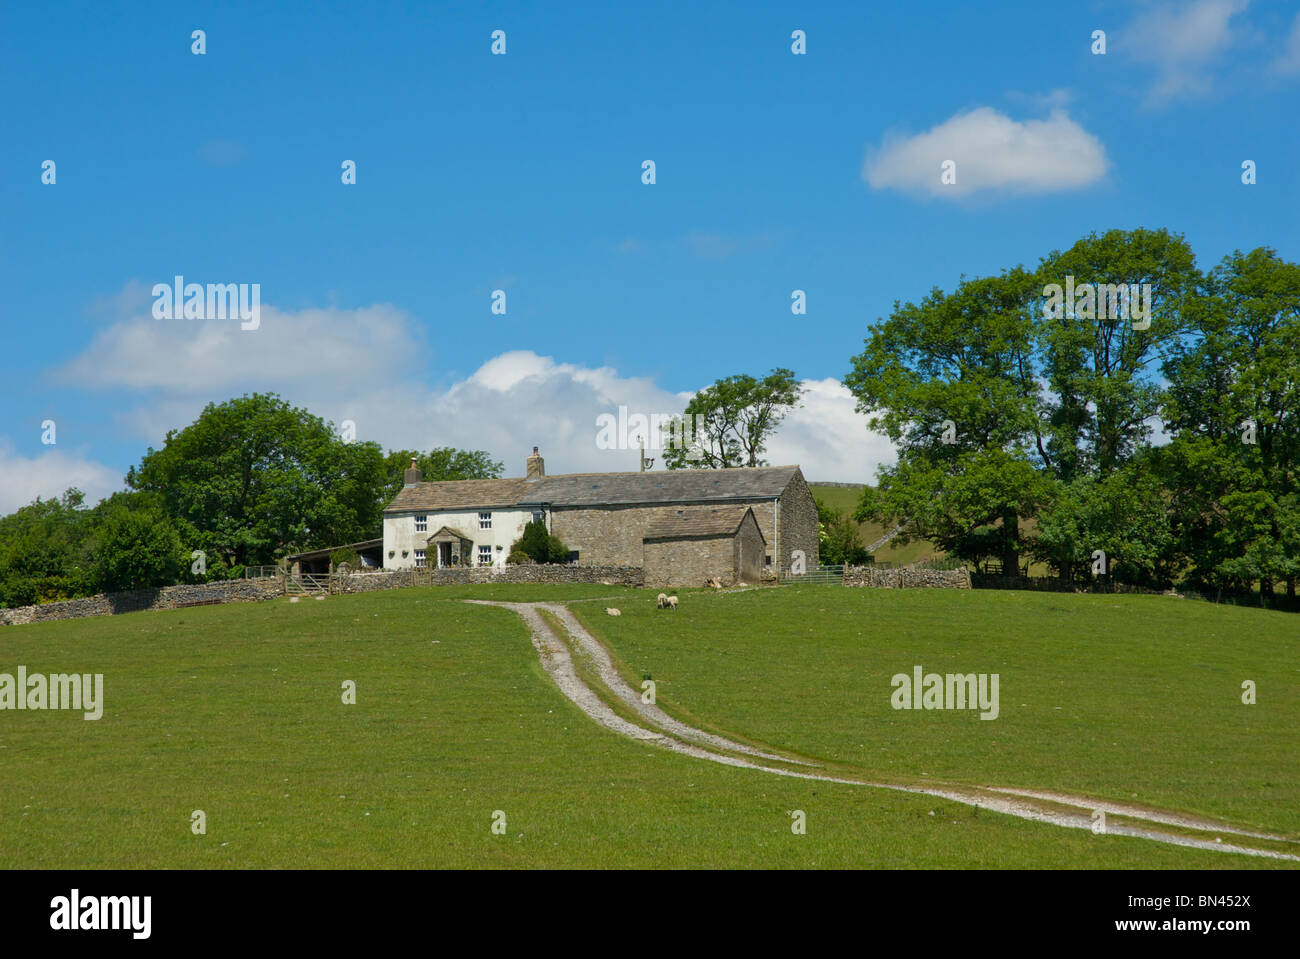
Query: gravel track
point(672, 734)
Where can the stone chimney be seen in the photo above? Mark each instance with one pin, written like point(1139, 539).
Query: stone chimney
point(534, 466)
point(412, 474)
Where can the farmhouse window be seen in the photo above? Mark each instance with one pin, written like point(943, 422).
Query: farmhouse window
point(484, 520)
point(422, 524)
point(485, 555)
point(419, 558)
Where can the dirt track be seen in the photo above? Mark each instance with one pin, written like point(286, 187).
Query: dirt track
point(656, 727)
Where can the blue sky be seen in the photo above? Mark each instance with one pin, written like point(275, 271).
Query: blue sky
point(522, 172)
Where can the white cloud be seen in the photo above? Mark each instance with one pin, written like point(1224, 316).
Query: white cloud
point(48, 475)
point(829, 438)
point(369, 346)
point(519, 400)
point(991, 152)
point(366, 365)
point(1182, 42)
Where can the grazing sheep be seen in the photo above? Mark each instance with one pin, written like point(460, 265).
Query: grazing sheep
point(672, 602)
point(613, 612)
point(662, 602)
point(293, 599)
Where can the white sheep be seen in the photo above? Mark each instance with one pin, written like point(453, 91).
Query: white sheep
point(662, 602)
point(613, 612)
point(672, 602)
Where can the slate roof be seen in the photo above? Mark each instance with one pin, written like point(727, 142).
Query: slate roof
point(460, 494)
point(723, 521)
point(600, 489)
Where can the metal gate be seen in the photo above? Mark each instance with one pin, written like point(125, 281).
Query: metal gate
point(815, 574)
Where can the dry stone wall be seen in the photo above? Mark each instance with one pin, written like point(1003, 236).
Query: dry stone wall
point(168, 597)
point(254, 590)
point(907, 577)
point(466, 575)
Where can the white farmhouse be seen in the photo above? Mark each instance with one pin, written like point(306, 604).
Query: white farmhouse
point(457, 522)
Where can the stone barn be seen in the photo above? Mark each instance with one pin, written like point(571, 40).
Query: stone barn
point(690, 548)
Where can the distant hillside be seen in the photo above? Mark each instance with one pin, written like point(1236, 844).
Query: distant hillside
point(845, 497)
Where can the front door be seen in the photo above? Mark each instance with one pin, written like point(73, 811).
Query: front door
point(444, 554)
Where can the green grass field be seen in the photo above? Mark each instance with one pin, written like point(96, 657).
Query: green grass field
point(236, 710)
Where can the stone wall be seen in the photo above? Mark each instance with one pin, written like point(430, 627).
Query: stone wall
point(168, 597)
point(798, 523)
point(254, 590)
point(466, 575)
point(907, 577)
point(690, 561)
point(748, 555)
point(614, 534)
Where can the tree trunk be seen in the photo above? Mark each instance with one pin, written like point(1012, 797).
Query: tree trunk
point(1010, 543)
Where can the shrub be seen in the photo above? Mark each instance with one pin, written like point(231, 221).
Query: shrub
point(137, 549)
point(539, 545)
point(345, 554)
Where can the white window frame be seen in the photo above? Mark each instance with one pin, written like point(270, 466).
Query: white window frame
point(420, 559)
point(485, 556)
point(484, 520)
point(422, 524)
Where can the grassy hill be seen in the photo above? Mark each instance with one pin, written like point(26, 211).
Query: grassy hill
point(846, 500)
point(236, 710)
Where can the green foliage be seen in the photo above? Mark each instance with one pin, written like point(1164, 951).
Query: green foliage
point(954, 382)
point(442, 463)
point(1124, 515)
point(255, 476)
point(838, 539)
point(135, 549)
point(42, 557)
point(1233, 466)
point(539, 545)
point(739, 415)
point(249, 480)
point(556, 551)
point(1002, 410)
point(347, 555)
